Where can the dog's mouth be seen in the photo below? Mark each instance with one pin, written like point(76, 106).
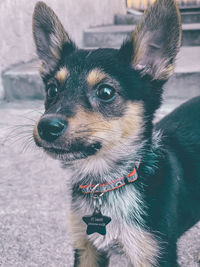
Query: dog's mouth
point(74, 151)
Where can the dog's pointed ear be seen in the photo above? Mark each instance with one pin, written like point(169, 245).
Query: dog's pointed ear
point(50, 37)
point(156, 40)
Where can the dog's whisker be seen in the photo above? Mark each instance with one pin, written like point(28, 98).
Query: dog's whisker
point(102, 130)
point(27, 118)
point(19, 128)
point(12, 135)
point(17, 137)
point(34, 110)
point(27, 144)
point(19, 131)
point(97, 122)
point(13, 127)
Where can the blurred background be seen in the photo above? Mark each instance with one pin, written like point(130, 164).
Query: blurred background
point(33, 201)
point(144, 4)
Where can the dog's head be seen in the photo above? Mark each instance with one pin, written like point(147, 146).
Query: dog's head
point(100, 103)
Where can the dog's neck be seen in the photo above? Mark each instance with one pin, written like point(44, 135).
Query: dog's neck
point(101, 170)
point(149, 155)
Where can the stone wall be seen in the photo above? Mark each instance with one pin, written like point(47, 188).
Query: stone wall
point(16, 44)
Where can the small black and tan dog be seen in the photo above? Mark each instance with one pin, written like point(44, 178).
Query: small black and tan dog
point(134, 185)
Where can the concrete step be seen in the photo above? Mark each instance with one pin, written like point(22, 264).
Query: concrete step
point(24, 82)
point(114, 35)
point(127, 19)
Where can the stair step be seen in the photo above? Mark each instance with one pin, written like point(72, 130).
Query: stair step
point(24, 82)
point(127, 19)
point(114, 35)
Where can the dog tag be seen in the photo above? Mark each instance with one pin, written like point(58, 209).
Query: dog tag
point(96, 223)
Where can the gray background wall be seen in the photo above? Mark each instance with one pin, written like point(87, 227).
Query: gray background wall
point(16, 43)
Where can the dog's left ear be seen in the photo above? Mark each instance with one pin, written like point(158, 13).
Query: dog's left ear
point(50, 37)
point(156, 40)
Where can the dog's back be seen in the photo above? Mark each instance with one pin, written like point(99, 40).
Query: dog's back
point(181, 137)
point(183, 124)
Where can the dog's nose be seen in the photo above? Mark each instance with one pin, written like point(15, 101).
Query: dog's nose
point(51, 128)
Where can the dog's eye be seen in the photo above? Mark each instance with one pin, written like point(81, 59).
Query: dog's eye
point(106, 92)
point(52, 90)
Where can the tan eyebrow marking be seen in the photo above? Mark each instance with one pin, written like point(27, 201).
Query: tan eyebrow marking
point(62, 74)
point(95, 76)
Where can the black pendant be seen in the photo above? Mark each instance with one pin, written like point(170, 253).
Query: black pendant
point(96, 223)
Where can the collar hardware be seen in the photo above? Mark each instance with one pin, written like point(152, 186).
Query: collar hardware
point(103, 188)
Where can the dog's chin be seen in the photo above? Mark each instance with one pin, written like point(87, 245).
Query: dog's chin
point(75, 152)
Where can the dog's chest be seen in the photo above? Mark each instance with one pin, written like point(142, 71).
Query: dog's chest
point(121, 233)
point(116, 206)
point(110, 239)
point(138, 244)
point(79, 227)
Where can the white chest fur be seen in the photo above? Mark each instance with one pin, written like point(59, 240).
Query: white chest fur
point(139, 245)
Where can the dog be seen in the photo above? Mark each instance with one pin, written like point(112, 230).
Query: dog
point(134, 186)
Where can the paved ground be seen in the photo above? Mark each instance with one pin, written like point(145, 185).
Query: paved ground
point(33, 200)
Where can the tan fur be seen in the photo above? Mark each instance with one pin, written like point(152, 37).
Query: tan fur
point(144, 40)
point(42, 70)
point(199, 257)
point(146, 251)
point(111, 130)
point(139, 246)
point(140, 44)
point(88, 255)
point(62, 75)
point(35, 133)
point(132, 120)
point(95, 76)
point(57, 40)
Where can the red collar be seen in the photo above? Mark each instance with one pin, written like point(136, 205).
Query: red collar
point(102, 188)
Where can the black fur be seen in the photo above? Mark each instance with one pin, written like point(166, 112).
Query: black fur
point(169, 175)
point(172, 193)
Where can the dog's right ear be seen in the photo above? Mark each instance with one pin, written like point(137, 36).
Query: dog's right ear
point(50, 37)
